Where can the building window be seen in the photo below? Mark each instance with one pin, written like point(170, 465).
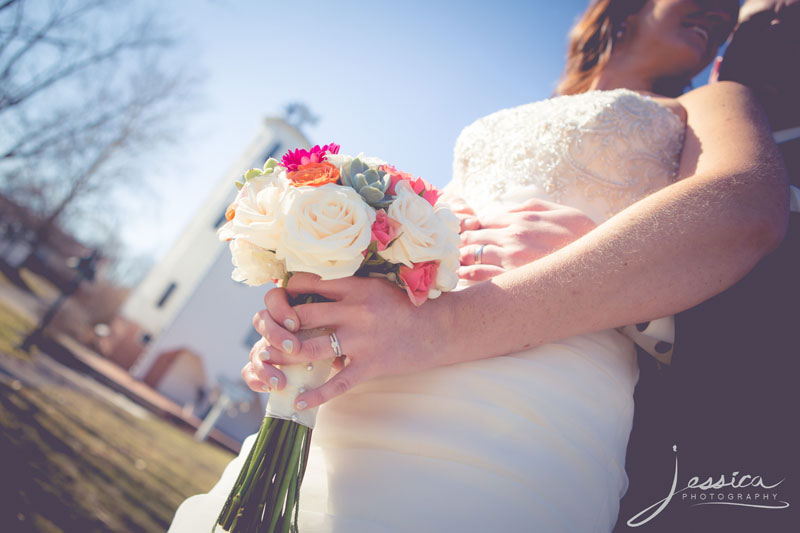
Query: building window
point(167, 293)
point(251, 338)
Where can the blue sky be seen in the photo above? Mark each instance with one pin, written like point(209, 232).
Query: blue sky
point(397, 80)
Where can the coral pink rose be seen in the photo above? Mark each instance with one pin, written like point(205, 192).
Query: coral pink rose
point(419, 280)
point(384, 229)
point(395, 176)
point(426, 190)
point(419, 185)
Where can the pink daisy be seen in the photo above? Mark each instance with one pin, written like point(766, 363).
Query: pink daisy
point(294, 158)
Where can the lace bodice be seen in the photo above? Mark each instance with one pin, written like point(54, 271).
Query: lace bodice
point(598, 151)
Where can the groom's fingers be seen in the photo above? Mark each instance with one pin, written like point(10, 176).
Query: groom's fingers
point(350, 376)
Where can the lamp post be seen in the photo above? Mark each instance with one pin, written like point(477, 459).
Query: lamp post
point(234, 394)
point(85, 270)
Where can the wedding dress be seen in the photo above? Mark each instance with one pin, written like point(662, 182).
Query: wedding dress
point(530, 441)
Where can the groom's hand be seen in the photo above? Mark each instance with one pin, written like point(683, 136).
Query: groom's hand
point(517, 237)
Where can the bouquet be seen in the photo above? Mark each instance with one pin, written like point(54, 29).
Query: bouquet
point(333, 215)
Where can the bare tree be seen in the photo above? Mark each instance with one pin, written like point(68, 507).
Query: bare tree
point(88, 88)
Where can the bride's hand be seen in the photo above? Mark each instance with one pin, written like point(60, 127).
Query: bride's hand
point(379, 330)
point(514, 238)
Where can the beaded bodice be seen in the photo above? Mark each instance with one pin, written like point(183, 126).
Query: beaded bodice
point(598, 151)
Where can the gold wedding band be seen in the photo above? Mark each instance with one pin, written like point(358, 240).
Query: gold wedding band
point(479, 254)
point(337, 350)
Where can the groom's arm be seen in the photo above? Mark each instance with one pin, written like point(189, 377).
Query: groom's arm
point(666, 253)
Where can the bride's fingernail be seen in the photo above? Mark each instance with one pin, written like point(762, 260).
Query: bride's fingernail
point(264, 355)
point(289, 324)
point(301, 405)
point(273, 382)
point(288, 346)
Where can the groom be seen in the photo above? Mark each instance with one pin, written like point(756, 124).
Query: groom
point(729, 399)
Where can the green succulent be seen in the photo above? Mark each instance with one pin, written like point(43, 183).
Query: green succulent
point(370, 183)
point(269, 168)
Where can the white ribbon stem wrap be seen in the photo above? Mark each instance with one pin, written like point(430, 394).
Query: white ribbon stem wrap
point(281, 403)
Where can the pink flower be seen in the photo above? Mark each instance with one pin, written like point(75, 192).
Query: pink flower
point(426, 190)
point(395, 176)
point(419, 280)
point(418, 185)
point(294, 158)
point(384, 229)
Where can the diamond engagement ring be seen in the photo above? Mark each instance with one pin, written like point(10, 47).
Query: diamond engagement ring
point(337, 350)
point(479, 254)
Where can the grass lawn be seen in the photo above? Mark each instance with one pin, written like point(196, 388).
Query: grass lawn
point(72, 461)
point(13, 328)
point(75, 463)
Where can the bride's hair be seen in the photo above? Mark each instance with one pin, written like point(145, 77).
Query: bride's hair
point(591, 41)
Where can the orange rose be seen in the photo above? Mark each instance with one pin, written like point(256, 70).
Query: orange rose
point(314, 174)
point(230, 212)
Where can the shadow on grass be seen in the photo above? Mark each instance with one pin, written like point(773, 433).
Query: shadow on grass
point(74, 463)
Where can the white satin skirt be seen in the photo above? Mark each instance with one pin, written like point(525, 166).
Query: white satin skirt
point(530, 441)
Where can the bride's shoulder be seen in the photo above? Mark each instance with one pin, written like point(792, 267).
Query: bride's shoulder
point(672, 104)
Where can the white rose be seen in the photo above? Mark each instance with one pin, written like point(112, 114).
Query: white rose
point(257, 215)
point(447, 273)
point(254, 265)
point(372, 162)
point(338, 160)
point(448, 218)
point(426, 234)
point(325, 231)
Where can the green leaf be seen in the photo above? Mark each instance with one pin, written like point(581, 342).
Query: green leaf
point(371, 195)
point(252, 173)
point(357, 166)
point(372, 176)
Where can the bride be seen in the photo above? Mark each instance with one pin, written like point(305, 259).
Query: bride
point(507, 405)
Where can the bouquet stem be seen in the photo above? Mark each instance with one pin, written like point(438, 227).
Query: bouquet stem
point(265, 497)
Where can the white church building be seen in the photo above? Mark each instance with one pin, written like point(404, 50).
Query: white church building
point(195, 321)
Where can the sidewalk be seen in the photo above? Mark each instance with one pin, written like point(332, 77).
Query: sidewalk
point(120, 380)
